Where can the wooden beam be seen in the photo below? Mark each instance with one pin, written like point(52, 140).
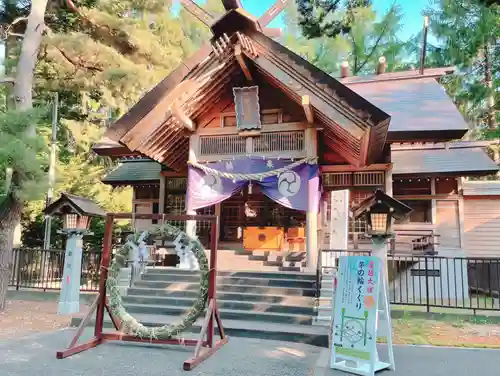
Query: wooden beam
point(351, 168)
point(272, 32)
point(272, 12)
point(241, 61)
point(181, 116)
point(174, 174)
point(306, 104)
point(198, 12)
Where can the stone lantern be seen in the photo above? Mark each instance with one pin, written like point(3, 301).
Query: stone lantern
point(76, 212)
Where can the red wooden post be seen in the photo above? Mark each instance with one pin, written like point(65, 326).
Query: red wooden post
point(103, 276)
point(203, 349)
point(212, 279)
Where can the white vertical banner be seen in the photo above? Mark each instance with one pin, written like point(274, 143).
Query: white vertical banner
point(339, 219)
point(360, 297)
point(338, 227)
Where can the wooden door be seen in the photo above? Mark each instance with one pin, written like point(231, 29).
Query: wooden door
point(447, 224)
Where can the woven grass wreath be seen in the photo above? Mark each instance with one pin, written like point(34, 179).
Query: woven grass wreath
point(129, 325)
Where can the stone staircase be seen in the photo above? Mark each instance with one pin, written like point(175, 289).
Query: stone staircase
point(324, 307)
point(239, 260)
point(257, 304)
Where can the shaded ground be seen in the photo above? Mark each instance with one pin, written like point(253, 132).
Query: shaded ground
point(35, 355)
point(24, 317)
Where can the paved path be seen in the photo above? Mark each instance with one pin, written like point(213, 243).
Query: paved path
point(35, 355)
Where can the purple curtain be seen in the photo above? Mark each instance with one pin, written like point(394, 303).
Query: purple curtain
point(297, 188)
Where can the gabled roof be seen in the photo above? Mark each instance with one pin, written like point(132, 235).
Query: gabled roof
point(131, 172)
point(358, 128)
point(382, 202)
point(81, 205)
point(458, 158)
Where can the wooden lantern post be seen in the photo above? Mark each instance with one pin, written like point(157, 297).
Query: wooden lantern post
point(379, 211)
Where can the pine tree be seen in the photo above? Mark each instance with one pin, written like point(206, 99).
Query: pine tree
point(328, 18)
point(469, 35)
point(361, 46)
point(101, 56)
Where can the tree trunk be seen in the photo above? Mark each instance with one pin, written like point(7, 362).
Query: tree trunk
point(9, 219)
point(12, 207)
point(488, 78)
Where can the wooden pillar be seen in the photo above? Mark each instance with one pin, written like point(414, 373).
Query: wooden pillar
point(461, 212)
point(217, 213)
point(388, 182)
point(311, 216)
point(433, 201)
point(161, 199)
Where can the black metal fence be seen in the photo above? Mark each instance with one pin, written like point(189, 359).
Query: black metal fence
point(445, 282)
point(434, 283)
point(42, 269)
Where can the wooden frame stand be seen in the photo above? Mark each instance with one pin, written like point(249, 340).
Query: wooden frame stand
point(204, 346)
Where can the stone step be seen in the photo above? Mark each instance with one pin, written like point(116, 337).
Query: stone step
point(284, 307)
point(229, 314)
point(236, 274)
point(308, 334)
point(224, 281)
point(275, 298)
point(162, 289)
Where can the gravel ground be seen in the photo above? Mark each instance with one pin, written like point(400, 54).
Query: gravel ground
point(35, 355)
point(25, 317)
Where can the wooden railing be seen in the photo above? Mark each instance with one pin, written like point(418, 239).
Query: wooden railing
point(406, 241)
point(354, 179)
point(222, 145)
point(278, 141)
point(291, 143)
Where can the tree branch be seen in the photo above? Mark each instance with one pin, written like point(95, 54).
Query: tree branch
point(103, 33)
point(377, 42)
point(77, 64)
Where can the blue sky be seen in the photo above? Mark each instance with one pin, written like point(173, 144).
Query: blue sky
point(412, 22)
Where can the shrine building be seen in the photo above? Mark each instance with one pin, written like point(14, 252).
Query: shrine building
point(250, 131)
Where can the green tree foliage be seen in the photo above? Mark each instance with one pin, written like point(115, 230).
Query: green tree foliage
point(328, 18)
point(25, 155)
point(101, 56)
point(363, 43)
point(468, 34)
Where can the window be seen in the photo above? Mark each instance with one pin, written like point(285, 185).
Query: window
point(358, 225)
point(422, 212)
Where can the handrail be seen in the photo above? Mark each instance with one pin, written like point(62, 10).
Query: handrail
point(320, 267)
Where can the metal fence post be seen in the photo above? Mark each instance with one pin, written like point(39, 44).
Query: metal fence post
point(18, 268)
point(427, 284)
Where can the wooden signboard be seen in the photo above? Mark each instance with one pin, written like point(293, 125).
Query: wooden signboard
point(246, 103)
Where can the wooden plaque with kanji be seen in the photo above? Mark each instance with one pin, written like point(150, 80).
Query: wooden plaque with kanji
point(246, 103)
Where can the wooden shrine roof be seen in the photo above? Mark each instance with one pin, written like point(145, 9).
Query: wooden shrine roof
point(462, 158)
point(357, 128)
point(134, 172)
point(419, 107)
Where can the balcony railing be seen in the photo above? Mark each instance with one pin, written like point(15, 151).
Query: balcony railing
point(409, 241)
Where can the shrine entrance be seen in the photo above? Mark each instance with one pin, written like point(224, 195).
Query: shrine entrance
point(263, 201)
point(251, 209)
